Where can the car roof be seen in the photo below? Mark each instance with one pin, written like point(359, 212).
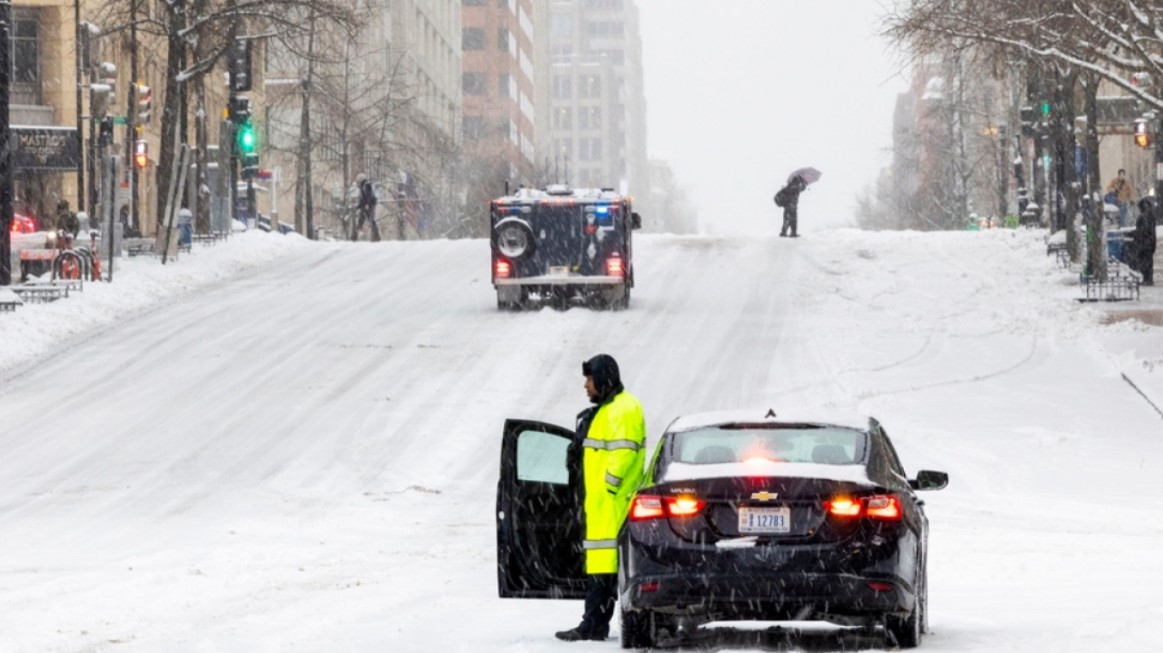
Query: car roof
point(555, 194)
point(815, 416)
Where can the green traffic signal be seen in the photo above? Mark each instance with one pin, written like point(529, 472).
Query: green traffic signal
point(247, 139)
point(1045, 107)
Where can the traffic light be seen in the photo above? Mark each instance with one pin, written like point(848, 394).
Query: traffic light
point(99, 97)
point(239, 110)
point(1142, 134)
point(1141, 80)
point(105, 137)
point(144, 102)
point(247, 139)
point(1044, 108)
point(238, 64)
point(141, 155)
point(249, 166)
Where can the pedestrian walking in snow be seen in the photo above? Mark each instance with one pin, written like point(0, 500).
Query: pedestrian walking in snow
point(1142, 254)
point(788, 198)
point(368, 199)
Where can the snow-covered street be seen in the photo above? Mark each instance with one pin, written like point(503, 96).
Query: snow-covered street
point(286, 446)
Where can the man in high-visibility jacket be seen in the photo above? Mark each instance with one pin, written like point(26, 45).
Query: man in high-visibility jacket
point(613, 437)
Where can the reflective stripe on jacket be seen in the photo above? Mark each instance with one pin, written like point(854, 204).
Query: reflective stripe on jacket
point(613, 459)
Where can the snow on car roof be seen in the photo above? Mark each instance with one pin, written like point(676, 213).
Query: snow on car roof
point(770, 416)
point(854, 473)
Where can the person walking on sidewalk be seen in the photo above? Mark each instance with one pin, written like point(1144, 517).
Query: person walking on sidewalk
point(1142, 254)
point(1123, 192)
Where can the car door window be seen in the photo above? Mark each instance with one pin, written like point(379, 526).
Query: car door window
point(542, 458)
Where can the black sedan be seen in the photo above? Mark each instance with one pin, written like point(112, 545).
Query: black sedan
point(743, 516)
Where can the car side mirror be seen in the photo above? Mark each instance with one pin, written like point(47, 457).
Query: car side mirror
point(635, 220)
point(930, 480)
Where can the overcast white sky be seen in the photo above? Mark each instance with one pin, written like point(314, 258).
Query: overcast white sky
point(741, 92)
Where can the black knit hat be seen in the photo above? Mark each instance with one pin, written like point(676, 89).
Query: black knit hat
point(604, 371)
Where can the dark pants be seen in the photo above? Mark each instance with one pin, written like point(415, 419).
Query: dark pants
point(789, 221)
point(600, 597)
point(1147, 268)
point(366, 216)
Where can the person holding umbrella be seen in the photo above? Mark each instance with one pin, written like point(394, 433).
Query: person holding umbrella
point(788, 198)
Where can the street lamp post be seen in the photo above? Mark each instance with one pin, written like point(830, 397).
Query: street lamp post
point(5, 148)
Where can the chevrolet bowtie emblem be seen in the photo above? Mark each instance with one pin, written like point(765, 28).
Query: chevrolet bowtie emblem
point(764, 496)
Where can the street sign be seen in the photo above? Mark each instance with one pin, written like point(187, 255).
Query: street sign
point(265, 174)
point(120, 120)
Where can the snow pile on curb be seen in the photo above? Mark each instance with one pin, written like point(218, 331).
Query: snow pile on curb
point(138, 283)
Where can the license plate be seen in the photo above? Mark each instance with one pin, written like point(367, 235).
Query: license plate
point(764, 520)
point(559, 270)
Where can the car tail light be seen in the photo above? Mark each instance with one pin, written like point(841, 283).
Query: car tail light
point(502, 269)
point(843, 507)
point(886, 507)
point(882, 507)
point(647, 507)
point(880, 587)
point(614, 266)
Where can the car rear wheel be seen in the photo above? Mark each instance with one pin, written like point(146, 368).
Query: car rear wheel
point(637, 629)
point(906, 632)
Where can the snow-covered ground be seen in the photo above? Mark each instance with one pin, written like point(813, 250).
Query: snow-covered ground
point(279, 445)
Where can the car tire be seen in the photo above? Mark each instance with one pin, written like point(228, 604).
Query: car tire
point(906, 632)
point(637, 629)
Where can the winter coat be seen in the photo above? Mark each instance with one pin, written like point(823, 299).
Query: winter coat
point(1122, 188)
point(788, 197)
point(367, 196)
point(68, 221)
point(613, 438)
point(1143, 241)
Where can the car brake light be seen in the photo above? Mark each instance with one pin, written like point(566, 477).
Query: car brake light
point(502, 268)
point(843, 507)
point(614, 266)
point(886, 507)
point(646, 507)
point(880, 587)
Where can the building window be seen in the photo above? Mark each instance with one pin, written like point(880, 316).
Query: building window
point(503, 85)
point(563, 118)
point(596, 149)
point(503, 39)
point(562, 87)
point(473, 83)
point(472, 38)
point(473, 127)
point(474, 3)
point(25, 52)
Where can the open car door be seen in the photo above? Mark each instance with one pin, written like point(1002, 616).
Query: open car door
point(539, 538)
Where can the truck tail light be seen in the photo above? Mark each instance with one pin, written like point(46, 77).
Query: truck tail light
point(614, 266)
point(502, 269)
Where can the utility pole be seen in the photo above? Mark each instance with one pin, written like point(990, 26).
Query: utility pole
point(5, 149)
point(77, 38)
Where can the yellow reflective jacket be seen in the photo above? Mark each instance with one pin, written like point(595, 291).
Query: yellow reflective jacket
point(613, 459)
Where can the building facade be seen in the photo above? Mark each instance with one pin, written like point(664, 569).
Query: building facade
point(591, 30)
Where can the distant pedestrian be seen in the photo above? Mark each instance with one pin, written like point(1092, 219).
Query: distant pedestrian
point(368, 199)
point(1142, 254)
point(788, 198)
point(1123, 192)
point(66, 220)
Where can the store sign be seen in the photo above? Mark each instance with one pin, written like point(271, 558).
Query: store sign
point(45, 148)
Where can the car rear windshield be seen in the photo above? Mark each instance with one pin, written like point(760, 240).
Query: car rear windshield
point(829, 445)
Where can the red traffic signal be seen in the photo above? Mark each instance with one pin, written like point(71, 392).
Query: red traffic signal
point(141, 155)
point(1142, 135)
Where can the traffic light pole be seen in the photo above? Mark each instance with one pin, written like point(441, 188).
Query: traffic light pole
point(5, 152)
